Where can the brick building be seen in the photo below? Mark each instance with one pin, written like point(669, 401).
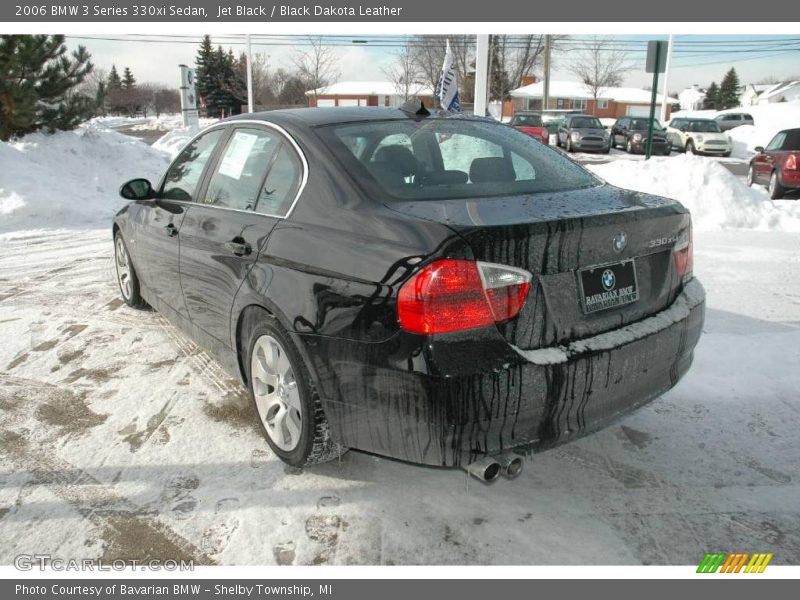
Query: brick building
point(612, 103)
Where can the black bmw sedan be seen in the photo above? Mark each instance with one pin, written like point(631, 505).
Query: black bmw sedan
point(436, 288)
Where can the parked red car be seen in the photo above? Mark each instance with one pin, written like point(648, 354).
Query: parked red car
point(531, 123)
point(778, 165)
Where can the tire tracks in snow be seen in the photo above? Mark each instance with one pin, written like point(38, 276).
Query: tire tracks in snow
point(129, 532)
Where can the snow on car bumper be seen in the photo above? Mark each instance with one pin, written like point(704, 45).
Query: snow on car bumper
point(390, 404)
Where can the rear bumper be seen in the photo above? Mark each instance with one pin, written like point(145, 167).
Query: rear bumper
point(383, 399)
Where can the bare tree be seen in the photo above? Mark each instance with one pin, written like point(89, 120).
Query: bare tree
point(513, 57)
point(404, 74)
point(600, 66)
point(428, 54)
point(317, 66)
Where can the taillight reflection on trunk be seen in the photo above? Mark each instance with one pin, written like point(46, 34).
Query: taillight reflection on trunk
point(455, 294)
point(684, 254)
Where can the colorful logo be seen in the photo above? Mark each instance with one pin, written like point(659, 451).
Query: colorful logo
point(734, 562)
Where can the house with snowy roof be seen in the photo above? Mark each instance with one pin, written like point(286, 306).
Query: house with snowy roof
point(611, 103)
point(367, 93)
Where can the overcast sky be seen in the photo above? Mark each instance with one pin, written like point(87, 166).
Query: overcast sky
point(694, 60)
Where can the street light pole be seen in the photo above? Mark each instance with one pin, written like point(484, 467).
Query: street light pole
point(546, 85)
point(249, 76)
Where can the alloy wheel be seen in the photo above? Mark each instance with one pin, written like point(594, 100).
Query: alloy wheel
point(750, 176)
point(123, 265)
point(276, 393)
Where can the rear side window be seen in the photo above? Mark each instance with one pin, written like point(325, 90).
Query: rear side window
point(281, 184)
point(440, 158)
point(777, 142)
point(180, 182)
point(257, 171)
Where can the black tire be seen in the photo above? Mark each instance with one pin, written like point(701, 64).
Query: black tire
point(775, 188)
point(726, 154)
point(607, 149)
point(130, 293)
point(315, 445)
point(690, 147)
point(569, 147)
point(668, 150)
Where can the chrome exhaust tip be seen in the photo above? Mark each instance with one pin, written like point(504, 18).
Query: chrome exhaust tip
point(486, 469)
point(510, 464)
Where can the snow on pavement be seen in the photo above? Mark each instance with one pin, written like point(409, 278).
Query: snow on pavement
point(120, 438)
point(112, 413)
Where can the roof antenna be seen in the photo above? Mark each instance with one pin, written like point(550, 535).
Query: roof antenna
point(415, 107)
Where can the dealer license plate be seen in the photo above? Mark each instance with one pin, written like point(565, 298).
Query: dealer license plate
point(608, 286)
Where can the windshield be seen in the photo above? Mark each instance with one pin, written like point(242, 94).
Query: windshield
point(527, 120)
point(585, 123)
point(642, 124)
point(705, 125)
point(443, 158)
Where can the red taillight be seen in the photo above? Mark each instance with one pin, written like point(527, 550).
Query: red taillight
point(791, 162)
point(455, 294)
point(684, 254)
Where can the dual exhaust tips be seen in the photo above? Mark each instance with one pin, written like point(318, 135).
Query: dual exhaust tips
point(489, 468)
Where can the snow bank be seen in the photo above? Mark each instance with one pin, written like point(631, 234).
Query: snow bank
point(172, 142)
point(70, 178)
point(716, 197)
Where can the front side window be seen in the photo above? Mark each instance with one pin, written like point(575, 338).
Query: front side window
point(441, 158)
point(180, 182)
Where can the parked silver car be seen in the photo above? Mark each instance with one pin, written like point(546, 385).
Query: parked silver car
point(583, 133)
point(730, 120)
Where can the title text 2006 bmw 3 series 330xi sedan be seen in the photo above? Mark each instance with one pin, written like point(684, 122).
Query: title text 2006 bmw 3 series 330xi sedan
point(436, 288)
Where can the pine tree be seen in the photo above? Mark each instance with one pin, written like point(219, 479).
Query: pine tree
point(114, 81)
point(729, 90)
point(219, 82)
point(128, 80)
point(38, 85)
point(204, 70)
point(711, 101)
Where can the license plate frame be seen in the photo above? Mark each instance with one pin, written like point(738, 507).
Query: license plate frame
point(596, 295)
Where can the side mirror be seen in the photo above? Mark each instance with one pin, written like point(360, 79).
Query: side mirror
point(759, 149)
point(137, 189)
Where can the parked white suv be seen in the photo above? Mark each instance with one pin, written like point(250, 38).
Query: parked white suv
point(699, 136)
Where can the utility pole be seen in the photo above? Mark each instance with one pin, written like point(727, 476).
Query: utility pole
point(249, 76)
point(481, 75)
point(546, 87)
point(666, 82)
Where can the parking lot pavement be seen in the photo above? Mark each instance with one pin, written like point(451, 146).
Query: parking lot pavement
point(119, 438)
point(737, 166)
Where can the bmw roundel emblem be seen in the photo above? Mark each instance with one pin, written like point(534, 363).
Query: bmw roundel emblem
point(620, 241)
point(608, 280)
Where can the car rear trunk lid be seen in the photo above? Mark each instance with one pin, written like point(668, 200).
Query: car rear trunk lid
point(555, 237)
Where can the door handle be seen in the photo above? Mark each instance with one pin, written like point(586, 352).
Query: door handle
point(172, 231)
point(239, 247)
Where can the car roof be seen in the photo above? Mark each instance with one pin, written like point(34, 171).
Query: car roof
point(315, 117)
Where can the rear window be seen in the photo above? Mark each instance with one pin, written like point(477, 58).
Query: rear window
point(527, 120)
point(443, 158)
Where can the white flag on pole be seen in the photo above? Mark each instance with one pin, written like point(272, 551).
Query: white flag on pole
point(447, 88)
